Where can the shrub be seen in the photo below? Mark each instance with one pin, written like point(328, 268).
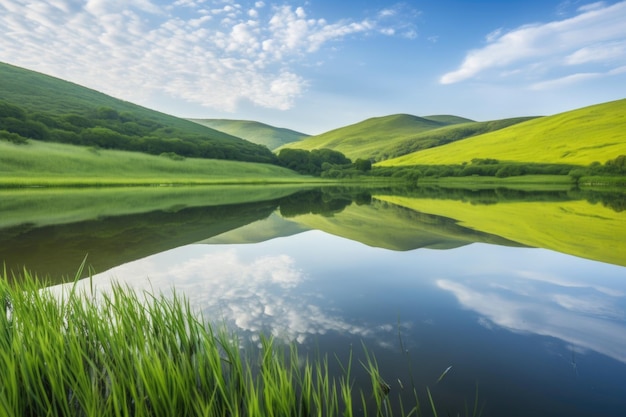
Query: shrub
point(12, 137)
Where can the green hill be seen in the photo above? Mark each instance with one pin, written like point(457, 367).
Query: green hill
point(364, 139)
point(578, 137)
point(442, 136)
point(37, 106)
point(447, 119)
point(387, 137)
point(255, 132)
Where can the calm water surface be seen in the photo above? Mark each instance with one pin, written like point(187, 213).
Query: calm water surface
point(536, 331)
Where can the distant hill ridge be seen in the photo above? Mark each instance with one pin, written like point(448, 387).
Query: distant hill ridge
point(255, 132)
point(380, 138)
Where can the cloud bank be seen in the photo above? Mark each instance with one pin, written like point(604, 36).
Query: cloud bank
point(213, 53)
point(591, 44)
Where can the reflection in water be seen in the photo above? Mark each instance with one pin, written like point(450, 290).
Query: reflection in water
point(117, 230)
point(258, 295)
point(585, 316)
point(541, 332)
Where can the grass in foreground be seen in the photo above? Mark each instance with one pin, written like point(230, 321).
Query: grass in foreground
point(128, 354)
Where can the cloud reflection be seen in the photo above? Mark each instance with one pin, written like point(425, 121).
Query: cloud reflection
point(256, 295)
point(587, 316)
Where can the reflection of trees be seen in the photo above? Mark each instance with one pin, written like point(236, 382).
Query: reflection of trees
point(610, 199)
point(615, 200)
point(484, 196)
point(325, 201)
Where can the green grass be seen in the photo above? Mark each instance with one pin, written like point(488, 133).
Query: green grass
point(50, 164)
point(255, 132)
point(578, 137)
point(120, 353)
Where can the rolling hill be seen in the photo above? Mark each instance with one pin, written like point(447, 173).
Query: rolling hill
point(578, 137)
point(381, 138)
point(37, 106)
point(255, 132)
point(363, 139)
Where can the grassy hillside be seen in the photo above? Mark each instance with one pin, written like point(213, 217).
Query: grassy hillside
point(255, 132)
point(580, 137)
point(42, 163)
point(387, 137)
point(442, 136)
point(364, 139)
point(36, 106)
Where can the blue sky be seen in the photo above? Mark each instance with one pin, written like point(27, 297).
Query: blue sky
point(321, 64)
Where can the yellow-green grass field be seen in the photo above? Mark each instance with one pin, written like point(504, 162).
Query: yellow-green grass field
point(577, 228)
point(50, 164)
point(579, 137)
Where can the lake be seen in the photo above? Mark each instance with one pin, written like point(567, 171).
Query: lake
point(515, 296)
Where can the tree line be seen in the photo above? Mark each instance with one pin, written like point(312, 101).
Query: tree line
point(107, 128)
point(326, 163)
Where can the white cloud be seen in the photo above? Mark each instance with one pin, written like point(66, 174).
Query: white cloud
point(567, 80)
point(592, 6)
point(552, 46)
point(211, 53)
point(598, 53)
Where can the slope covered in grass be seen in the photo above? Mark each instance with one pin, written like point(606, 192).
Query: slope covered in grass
point(442, 136)
point(37, 106)
point(580, 137)
point(388, 137)
point(43, 163)
point(255, 132)
point(366, 138)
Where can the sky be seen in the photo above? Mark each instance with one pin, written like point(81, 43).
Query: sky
point(317, 65)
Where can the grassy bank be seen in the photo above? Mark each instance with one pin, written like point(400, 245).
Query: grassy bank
point(121, 353)
point(52, 164)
